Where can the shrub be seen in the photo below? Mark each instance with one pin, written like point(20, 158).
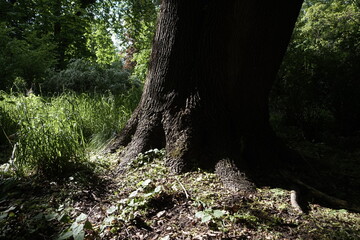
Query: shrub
point(83, 76)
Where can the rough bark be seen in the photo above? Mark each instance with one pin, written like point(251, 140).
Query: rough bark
point(206, 96)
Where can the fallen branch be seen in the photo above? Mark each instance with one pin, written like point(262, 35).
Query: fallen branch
point(317, 194)
point(333, 201)
point(182, 186)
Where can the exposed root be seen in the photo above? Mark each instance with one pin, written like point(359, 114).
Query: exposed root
point(298, 202)
point(232, 178)
point(332, 201)
point(148, 134)
point(296, 196)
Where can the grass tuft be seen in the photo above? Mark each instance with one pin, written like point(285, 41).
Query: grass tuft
point(50, 136)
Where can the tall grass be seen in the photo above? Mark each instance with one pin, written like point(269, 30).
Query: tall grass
point(54, 134)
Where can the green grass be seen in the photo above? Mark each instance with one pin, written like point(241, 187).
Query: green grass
point(52, 135)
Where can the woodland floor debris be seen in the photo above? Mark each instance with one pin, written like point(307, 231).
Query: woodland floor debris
point(148, 202)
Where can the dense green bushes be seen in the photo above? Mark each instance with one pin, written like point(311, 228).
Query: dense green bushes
point(319, 81)
point(84, 76)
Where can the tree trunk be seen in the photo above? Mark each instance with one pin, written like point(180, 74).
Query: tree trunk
point(206, 96)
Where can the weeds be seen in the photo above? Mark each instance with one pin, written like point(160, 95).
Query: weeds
point(51, 136)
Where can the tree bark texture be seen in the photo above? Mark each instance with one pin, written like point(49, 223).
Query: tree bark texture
point(206, 96)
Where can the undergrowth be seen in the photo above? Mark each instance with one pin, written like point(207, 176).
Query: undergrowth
point(149, 202)
point(51, 135)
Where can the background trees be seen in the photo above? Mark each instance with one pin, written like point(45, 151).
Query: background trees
point(42, 35)
point(318, 84)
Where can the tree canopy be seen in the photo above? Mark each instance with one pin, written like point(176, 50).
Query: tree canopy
point(52, 33)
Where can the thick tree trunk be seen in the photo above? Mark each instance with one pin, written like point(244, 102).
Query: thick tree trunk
point(206, 96)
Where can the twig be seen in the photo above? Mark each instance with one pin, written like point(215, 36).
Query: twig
point(12, 158)
point(182, 186)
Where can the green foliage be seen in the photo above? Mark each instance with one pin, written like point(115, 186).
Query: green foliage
point(142, 59)
point(136, 32)
point(42, 35)
point(27, 58)
point(65, 21)
point(138, 200)
point(77, 228)
point(148, 156)
point(210, 215)
point(7, 125)
point(102, 115)
point(149, 202)
point(99, 42)
point(52, 135)
point(84, 76)
point(318, 83)
point(139, 22)
point(49, 140)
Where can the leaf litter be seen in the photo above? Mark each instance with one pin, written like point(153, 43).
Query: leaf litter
point(149, 202)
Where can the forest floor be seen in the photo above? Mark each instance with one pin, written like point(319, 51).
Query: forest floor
point(148, 202)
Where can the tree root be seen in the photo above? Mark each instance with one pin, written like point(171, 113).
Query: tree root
point(298, 198)
point(232, 178)
point(327, 199)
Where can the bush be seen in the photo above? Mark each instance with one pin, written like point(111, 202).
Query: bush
point(83, 76)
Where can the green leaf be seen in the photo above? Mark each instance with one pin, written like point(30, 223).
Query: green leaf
point(81, 217)
point(80, 236)
point(3, 215)
point(343, 211)
point(199, 214)
point(133, 194)
point(207, 217)
point(158, 189)
point(38, 216)
point(64, 218)
point(111, 210)
point(148, 194)
point(65, 235)
point(204, 216)
point(10, 209)
point(109, 220)
point(77, 229)
point(218, 213)
point(51, 216)
point(88, 225)
point(146, 183)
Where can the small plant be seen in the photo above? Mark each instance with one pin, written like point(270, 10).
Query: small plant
point(77, 228)
point(210, 214)
point(138, 200)
point(148, 156)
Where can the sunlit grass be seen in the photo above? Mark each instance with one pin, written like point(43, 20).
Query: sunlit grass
point(52, 135)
